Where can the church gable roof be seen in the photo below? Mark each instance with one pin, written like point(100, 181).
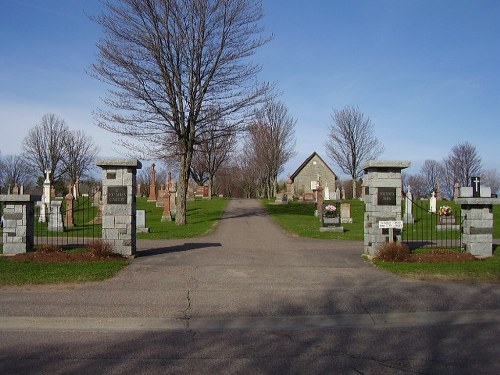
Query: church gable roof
point(303, 165)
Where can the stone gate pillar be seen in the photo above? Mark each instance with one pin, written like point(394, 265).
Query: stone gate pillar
point(382, 197)
point(119, 203)
point(19, 223)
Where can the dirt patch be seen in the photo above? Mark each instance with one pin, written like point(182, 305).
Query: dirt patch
point(62, 257)
point(440, 257)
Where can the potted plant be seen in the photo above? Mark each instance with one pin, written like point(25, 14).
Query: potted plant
point(446, 215)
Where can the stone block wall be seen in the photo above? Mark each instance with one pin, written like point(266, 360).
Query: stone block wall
point(19, 223)
point(119, 203)
point(382, 197)
point(477, 228)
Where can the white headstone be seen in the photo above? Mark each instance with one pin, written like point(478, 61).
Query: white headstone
point(432, 203)
point(326, 192)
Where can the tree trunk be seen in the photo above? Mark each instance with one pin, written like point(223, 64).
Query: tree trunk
point(210, 184)
point(354, 188)
point(185, 162)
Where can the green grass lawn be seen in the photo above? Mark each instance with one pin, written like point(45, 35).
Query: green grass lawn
point(202, 217)
point(28, 272)
point(298, 218)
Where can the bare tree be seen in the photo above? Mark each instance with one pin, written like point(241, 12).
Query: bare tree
point(14, 171)
point(432, 173)
point(79, 155)
point(491, 178)
point(214, 149)
point(44, 146)
point(168, 62)
point(461, 164)
point(271, 139)
point(350, 142)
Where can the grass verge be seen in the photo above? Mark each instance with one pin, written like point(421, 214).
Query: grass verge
point(484, 270)
point(29, 272)
point(298, 218)
point(202, 217)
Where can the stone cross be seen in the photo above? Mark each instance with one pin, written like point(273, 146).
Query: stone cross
point(476, 186)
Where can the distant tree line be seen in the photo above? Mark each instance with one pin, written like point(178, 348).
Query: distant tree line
point(49, 145)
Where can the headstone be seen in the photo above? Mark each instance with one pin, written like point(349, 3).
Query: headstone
point(290, 191)
point(173, 195)
point(42, 217)
point(279, 198)
point(345, 213)
point(319, 200)
point(456, 193)
point(432, 203)
point(152, 185)
point(167, 215)
point(438, 192)
point(68, 217)
point(408, 215)
point(15, 190)
point(199, 191)
point(327, 192)
point(337, 193)
point(141, 221)
point(343, 193)
point(190, 193)
point(56, 223)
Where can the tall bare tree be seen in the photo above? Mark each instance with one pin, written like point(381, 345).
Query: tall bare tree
point(433, 173)
point(214, 149)
point(351, 142)
point(168, 62)
point(14, 171)
point(462, 163)
point(271, 139)
point(491, 178)
point(79, 156)
point(43, 147)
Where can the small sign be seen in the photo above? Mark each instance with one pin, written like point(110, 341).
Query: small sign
point(397, 224)
point(386, 196)
point(117, 195)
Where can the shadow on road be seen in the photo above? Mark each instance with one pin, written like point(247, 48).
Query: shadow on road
point(177, 248)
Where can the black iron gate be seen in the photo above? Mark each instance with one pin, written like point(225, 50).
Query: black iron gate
point(74, 226)
point(437, 227)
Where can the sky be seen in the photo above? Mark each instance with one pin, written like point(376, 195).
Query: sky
point(426, 72)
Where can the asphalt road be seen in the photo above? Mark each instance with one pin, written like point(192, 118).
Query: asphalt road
point(250, 299)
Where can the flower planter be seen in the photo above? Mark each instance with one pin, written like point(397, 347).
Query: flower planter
point(446, 220)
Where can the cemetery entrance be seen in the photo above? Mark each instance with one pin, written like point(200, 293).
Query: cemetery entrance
point(427, 225)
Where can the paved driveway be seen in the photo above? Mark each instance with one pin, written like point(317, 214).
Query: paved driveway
point(251, 299)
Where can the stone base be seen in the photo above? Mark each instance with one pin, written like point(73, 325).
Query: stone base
point(441, 227)
point(332, 229)
point(166, 218)
point(346, 220)
point(408, 219)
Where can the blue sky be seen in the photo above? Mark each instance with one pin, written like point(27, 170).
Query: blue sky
point(427, 72)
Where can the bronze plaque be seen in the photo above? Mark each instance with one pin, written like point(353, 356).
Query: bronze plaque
point(386, 196)
point(117, 195)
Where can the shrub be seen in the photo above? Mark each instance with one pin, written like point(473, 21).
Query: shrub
point(101, 248)
point(393, 252)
